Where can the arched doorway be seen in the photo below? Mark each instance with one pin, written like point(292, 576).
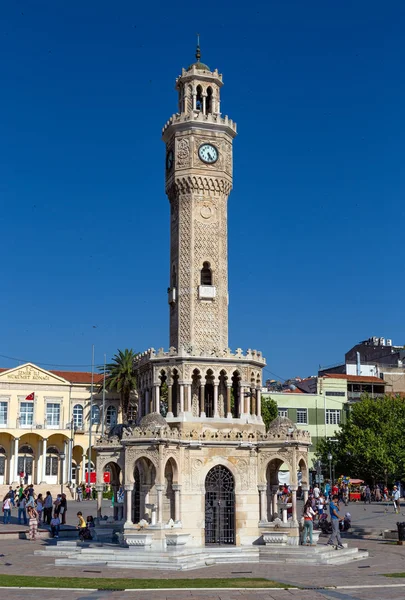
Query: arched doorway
point(219, 506)
point(26, 463)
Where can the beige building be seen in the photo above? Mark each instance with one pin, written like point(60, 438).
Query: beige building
point(209, 469)
point(45, 415)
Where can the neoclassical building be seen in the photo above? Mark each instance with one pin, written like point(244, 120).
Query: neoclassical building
point(207, 467)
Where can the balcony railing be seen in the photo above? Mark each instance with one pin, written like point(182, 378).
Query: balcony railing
point(358, 395)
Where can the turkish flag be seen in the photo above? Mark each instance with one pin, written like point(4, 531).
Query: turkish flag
point(30, 396)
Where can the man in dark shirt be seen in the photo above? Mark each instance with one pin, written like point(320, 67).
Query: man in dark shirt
point(335, 539)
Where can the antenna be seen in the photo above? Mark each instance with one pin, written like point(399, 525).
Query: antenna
point(198, 52)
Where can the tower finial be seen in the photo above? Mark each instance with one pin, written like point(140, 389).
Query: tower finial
point(198, 53)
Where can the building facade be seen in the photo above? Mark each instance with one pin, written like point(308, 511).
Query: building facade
point(208, 468)
point(45, 415)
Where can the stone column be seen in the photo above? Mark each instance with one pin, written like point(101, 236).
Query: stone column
point(170, 401)
point(241, 400)
point(181, 394)
point(204, 103)
point(38, 469)
point(248, 401)
point(216, 413)
point(146, 402)
point(262, 487)
point(157, 398)
point(84, 467)
point(159, 488)
point(15, 465)
point(228, 401)
point(43, 475)
point(194, 99)
point(293, 489)
point(66, 461)
point(128, 505)
point(140, 403)
point(259, 403)
point(202, 400)
point(305, 490)
point(274, 490)
point(253, 402)
point(176, 489)
point(99, 490)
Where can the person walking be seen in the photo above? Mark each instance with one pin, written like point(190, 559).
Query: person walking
point(22, 511)
point(79, 493)
point(367, 495)
point(40, 507)
point(377, 494)
point(309, 514)
point(395, 499)
point(335, 539)
point(6, 510)
point(11, 495)
point(48, 504)
point(33, 523)
point(63, 508)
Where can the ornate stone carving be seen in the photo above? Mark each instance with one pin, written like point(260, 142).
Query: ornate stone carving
point(183, 153)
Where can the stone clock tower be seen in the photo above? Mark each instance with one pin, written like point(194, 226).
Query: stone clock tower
point(198, 183)
point(204, 378)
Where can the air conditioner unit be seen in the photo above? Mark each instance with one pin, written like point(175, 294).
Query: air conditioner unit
point(39, 426)
point(389, 342)
point(382, 341)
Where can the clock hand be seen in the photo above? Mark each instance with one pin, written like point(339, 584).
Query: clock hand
point(209, 155)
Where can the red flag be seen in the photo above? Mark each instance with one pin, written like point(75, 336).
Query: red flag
point(30, 396)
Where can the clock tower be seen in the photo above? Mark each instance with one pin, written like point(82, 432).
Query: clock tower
point(198, 170)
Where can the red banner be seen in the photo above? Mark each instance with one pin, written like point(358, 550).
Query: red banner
point(30, 396)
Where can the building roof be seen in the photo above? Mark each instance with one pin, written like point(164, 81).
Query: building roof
point(200, 66)
point(355, 378)
point(72, 376)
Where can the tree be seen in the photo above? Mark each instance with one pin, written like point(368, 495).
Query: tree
point(269, 410)
point(371, 444)
point(120, 377)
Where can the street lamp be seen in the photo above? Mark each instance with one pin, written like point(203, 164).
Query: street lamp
point(62, 458)
point(330, 468)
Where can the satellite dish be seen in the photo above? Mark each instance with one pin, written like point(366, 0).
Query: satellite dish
point(292, 387)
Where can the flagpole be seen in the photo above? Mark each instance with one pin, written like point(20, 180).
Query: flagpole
point(91, 412)
point(102, 422)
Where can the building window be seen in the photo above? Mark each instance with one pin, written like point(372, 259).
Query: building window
point(53, 414)
point(332, 416)
point(3, 413)
point(111, 418)
point(26, 414)
point(78, 416)
point(206, 274)
point(283, 412)
point(95, 415)
point(335, 393)
point(52, 460)
point(302, 416)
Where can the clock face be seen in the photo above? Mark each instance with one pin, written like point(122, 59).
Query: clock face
point(169, 160)
point(208, 153)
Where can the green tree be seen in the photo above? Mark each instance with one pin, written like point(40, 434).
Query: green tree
point(120, 378)
point(269, 410)
point(371, 444)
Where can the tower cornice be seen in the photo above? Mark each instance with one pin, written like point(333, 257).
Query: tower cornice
point(197, 120)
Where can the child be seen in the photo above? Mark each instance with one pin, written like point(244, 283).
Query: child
point(82, 523)
point(55, 525)
point(90, 521)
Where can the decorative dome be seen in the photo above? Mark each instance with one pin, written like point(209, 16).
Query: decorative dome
point(200, 66)
point(153, 420)
point(282, 425)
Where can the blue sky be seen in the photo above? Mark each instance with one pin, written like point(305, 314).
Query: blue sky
point(316, 217)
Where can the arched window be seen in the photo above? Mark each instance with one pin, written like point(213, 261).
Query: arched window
point(25, 449)
point(95, 415)
point(111, 418)
point(78, 416)
point(199, 103)
point(52, 460)
point(209, 100)
point(206, 274)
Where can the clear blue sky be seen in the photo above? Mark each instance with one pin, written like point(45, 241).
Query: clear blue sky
point(316, 217)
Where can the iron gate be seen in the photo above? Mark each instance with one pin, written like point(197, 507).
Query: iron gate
point(219, 506)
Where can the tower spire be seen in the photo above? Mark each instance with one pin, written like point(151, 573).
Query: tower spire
point(198, 52)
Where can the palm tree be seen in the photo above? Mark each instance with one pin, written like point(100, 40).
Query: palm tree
point(120, 377)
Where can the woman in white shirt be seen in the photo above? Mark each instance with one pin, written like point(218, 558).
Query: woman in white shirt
point(309, 514)
point(6, 510)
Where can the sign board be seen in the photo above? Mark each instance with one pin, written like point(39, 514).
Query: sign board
point(107, 477)
point(92, 477)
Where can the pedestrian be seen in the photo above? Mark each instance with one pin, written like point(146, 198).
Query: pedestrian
point(367, 495)
point(56, 504)
point(55, 526)
point(395, 499)
point(63, 508)
point(82, 523)
point(335, 539)
point(40, 507)
point(20, 491)
point(79, 492)
point(33, 523)
point(94, 493)
point(88, 492)
point(6, 510)
point(309, 514)
point(321, 504)
point(22, 510)
point(377, 494)
point(11, 495)
point(48, 504)
point(317, 492)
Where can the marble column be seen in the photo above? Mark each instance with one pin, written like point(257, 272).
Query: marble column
point(43, 475)
point(247, 401)
point(216, 386)
point(38, 470)
point(157, 398)
point(146, 402)
point(84, 468)
point(181, 394)
point(253, 402)
point(128, 487)
point(259, 403)
point(170, 401)
point(99, 490)
point(15, 465)
point(305, 490)
point(262, 487)
point(66, 461)
point(202, 400)
point(274, 490)
point(204, 103)
point(241, 400)
point(228, 401)
point(293, 489)
point(194, 100)
point(176, 489)
point(159, 489)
